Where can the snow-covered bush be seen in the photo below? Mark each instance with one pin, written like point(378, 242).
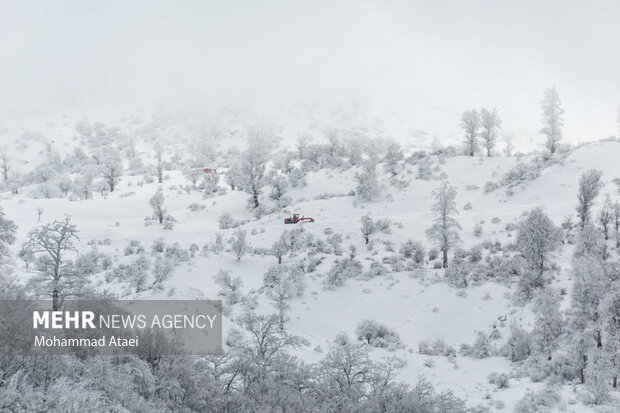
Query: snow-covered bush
point(195, 207)
point(499, 379)
point(367, 186)
point(162, 270)
point(134, 247)
point(542, 401)
point(414, 250)
point(239, 244)
point(176, 253)
point(376, 270)
point(225, 221)
point(341, 270)
point(377, 335)
point(437, 347)
point(490, 187)
point(158, 246)
point(480, 349)
point(230, 288)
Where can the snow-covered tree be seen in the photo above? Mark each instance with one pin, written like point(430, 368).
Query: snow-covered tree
point(589, 289)
point(616, 222)
point(210, 183)
point(611, 329)
point(159, 162)
point(194, 175)
point(279, 248)
point(7, 235)
point(367, 186)
point(163, 268)
point(279, 290)
point(490, 124)
point(252, 167)
point(470, 122)
point(552, 119)
point(590, 242)
point(157, 203)
point(230, 287)
point(368, 228)
point(509, 141)
point(548, 322)
point(5, 165)
point(393, 155)
point(590, 185)
point(239, 244)
point(49, 244)
point(279, 186)
point(605, 216)
point(444, 232)
point(536, 239)
point(301, 144)
point(112, 169)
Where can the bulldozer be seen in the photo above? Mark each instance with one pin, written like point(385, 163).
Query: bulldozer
point(295, 219)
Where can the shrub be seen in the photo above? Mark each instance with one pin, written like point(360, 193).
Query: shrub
point(413, 249)
point(342, 270)
point(539, 402)
point(490, 187)
point(134, 247)
point(500, 380)
point(225, 221)
point(377, 335)
point(376, 269)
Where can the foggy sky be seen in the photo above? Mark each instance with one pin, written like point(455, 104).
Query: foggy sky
point(425, 61)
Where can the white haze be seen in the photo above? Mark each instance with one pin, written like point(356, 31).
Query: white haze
point(410, 64)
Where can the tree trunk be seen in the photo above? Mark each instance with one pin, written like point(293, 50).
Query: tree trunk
point(445, 258)
point(255, 197)
point(280, 260)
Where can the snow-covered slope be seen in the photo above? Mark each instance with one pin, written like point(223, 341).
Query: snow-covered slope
point(417, 305)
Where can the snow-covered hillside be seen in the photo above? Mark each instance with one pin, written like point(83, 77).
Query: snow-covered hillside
point(416, 300)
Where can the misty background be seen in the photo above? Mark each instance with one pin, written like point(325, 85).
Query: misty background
point(409, 68)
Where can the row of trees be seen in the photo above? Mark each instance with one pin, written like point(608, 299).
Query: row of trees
point(484, 125)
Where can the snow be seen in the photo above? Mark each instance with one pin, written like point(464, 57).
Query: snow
point(418, 309)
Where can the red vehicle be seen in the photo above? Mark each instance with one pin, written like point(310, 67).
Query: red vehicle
point(295, 219)
point(209, 170)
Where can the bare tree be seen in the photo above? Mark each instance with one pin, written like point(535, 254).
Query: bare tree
point(490, 123)
point(49, 243)
point(552, 119)
point(590, 185)
point(470, 122)
point(444, 232)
